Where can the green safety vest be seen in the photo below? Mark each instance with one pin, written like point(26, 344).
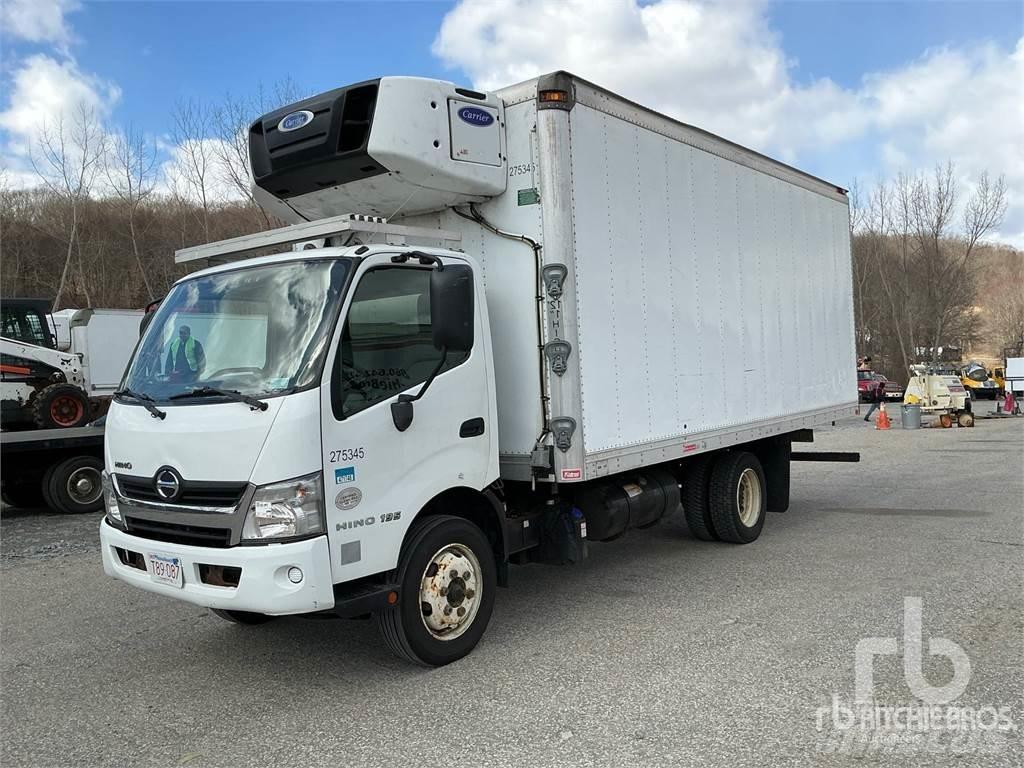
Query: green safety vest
point(190, 352)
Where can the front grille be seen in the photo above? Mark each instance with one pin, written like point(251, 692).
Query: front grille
point(174, 533)
point(193, 492)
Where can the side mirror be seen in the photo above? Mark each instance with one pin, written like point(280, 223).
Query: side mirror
point(401, 412)
point(451, 307)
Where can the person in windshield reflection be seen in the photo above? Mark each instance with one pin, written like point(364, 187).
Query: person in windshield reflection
point(185, 358)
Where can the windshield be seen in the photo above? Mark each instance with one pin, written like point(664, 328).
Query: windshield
point(257, 330)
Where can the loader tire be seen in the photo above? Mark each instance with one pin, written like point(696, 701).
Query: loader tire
point(60, 406)
point(738, 496)
point(696, 479)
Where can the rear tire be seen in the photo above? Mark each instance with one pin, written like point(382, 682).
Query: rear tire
point(74, 486)
point(242, 617)
point(696, 480)
point(61, 406)
point(446, 566)
point(738, 496)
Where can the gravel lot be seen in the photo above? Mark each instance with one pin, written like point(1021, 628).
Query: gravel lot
point(659, 650)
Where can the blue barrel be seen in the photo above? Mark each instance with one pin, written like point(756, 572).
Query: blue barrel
point(910, 416)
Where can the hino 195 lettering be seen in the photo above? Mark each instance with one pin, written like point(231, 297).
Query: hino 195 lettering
point(556, 316)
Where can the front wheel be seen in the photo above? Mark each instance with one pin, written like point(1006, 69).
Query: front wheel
point(448, 579)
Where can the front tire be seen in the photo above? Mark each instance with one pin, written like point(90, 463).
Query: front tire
point(737, 497)
point(448, 580)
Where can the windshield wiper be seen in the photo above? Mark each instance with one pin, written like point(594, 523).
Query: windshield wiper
point(233, 394)
point(145, 400)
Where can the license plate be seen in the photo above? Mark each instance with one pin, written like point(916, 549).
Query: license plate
point(895, 395)
point(166, 569)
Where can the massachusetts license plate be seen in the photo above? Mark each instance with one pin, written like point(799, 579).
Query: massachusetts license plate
point(165, 569)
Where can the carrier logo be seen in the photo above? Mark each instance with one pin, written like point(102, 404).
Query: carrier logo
point(295, 120)
point(344, 475)
point(475, 116)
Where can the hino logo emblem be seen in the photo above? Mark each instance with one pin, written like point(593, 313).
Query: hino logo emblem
point(168, 484)
point(294, 120)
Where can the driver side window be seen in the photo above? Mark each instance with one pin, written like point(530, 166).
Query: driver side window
point(386, 342)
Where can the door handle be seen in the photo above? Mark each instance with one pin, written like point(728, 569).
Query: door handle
point(472, 428)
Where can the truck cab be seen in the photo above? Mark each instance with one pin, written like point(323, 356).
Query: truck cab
point(282, 464)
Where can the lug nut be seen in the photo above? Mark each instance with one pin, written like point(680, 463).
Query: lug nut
point(461, 611)
point(447, 610)
point(470, 593)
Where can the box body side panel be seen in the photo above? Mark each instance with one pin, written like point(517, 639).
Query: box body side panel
point(710, 296)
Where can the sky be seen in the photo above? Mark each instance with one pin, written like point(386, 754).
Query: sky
point(844, 90)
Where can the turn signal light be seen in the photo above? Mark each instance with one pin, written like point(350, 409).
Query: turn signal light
point(553, 95)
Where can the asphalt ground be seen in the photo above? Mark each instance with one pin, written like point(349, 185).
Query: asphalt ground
point(658, 650)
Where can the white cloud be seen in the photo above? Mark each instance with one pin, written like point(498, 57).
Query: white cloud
point(717, 66)
point(44, 90)
point(38, 21)
point(721, 67)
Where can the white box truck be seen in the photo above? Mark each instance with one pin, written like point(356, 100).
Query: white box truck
point(509, 324)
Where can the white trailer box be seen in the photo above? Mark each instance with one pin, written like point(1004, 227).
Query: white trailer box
point(103, 339)
point(707, 295)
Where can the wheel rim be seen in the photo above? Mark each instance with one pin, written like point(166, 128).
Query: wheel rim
point(748, 497)
point(450, 591)
point(84, 485)
point(65, 410)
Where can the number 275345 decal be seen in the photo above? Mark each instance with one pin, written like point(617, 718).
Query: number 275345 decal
point(347, 454)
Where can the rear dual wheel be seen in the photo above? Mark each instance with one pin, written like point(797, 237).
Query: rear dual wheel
point(725, 497)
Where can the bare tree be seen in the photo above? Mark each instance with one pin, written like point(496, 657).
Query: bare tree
point(231, 119)
point(197, 159)
point(67, 159)
point(944, 255)
point(130, 169)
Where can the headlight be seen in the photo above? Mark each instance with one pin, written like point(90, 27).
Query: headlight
point(110, 501)
point(286, 510)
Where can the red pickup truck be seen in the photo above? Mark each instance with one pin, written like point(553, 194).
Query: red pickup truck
point(873, 386)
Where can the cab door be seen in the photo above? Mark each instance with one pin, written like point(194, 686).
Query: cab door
point(376, 477)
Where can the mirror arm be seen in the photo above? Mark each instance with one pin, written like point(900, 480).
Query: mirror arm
point(430, 379)
point(401, 409)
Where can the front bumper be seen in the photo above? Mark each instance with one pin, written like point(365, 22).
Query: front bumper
point(263, 586)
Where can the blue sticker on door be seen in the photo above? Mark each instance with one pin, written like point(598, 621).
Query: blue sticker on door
point(344, 475)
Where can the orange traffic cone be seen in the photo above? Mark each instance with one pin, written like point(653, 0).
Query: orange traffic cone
point(882, 420)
